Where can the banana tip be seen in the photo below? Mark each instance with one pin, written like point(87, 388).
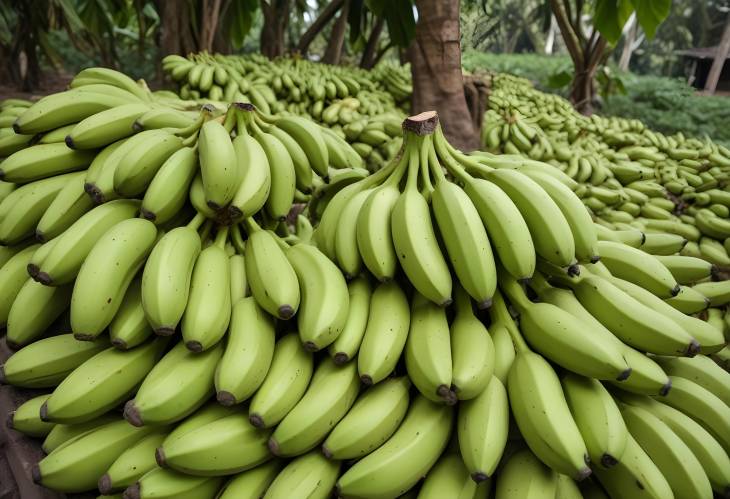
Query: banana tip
point(366, 379)
point(675, 290)
point(35, 473)
point(225, 398)
point(40, 236)
point(132, 415)
point(147, 215)
point(119, 343)
point(583, 474)
point(16, 127)
point(485, 304)
point(665, 388)
point(160, 457)
point(286, 312)
point(326, 452)
point(132, 492)
point(310, 346)
point(273, 446)
point(595, 259)
point(69, 142)
point(607, 461)
point(43, 412)
point(693, 348)
point(84, 336)
point(32, 270)
point(574, 270)
point(165, 331)
point(105, 484)
point(340, 358)
point(479, 477)
point(194, 346)
point(43, 278)
point(624, 375)
point(256, 420)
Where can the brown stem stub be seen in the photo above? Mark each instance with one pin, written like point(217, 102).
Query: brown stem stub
point(244, 106)
point(132, 492)
point(422, 124)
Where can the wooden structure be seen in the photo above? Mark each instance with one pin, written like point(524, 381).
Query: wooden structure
point(700, 62)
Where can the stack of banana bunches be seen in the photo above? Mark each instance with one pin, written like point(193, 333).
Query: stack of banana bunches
point(630, 176)
point(356, 104)
point(450, 326)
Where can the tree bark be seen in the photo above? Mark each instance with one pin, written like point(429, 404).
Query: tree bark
point(276, 17)
point(720, 56)
point(438, 84)
point(209, 24)
point(322, 20)
point(368, 59)
point(628, 48)
point(333, 53)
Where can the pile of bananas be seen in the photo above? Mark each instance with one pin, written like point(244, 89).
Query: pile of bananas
point(152, 262)
point(630, 176)
point(335, 96)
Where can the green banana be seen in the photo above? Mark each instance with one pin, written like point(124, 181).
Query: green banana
point(324, 297)
point(167, 192)
point(247, 355)
point(105, 127)
point(161, 483)
point(129, 327)
point(34, 309)
point(309, 475)
point(47, 362)
point(70, 204)
point(146, 152)
point(285, 383)
point(638, 267)
point(330, 395)
point(525, 477)
point(43, 161)
point(375, 416)
point(132, 463)
point(25, 418)
point(449, 478)
point(100, 383)
point(176, 386)
point(347, 344)
point(218, 164)
point(251, 484)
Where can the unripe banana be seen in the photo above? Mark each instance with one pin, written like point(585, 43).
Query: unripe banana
point(13, 275)
point(398, 464)
point(47, 362)
point(218, 164)
point(26, 419)
point(271, 277)
point(208, 310)
point(472, 351)
point(178, 384)
point(372, 420)
point(310, 475)
point(162, 483)
point(285, 383)
point(222, 447)
point(330, 395)
point(525, 477)
point(106, 273)
point(309, 137)
point(247, 355)
point(386, 333)
point(70, 204)
point(129, 327)
point(131, 464)
point(100, 383)
point(251, 484)
point(167, 192)
point(105, 127)
point(42, 161)
point(255, 185)
point(638, 267)
point(345, 347)
point(78, 465)
point(482, 427)
point(34, 309)
point(324, 297)
point(166, 278)
point(71, 249)
point(146, 152)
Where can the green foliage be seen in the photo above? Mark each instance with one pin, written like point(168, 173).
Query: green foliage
point(669, 105)
point(610, 16)
point(535, 67)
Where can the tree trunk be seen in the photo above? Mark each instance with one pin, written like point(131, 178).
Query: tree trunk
point(438, 84)
point(322, 20)
point(368, 59)
point(629, 36)
point(276, 17)
point(333, 53)
point(720, 56)
point(209, 24)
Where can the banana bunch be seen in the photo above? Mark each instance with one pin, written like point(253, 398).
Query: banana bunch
point(628, 176)
point(328, 94)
